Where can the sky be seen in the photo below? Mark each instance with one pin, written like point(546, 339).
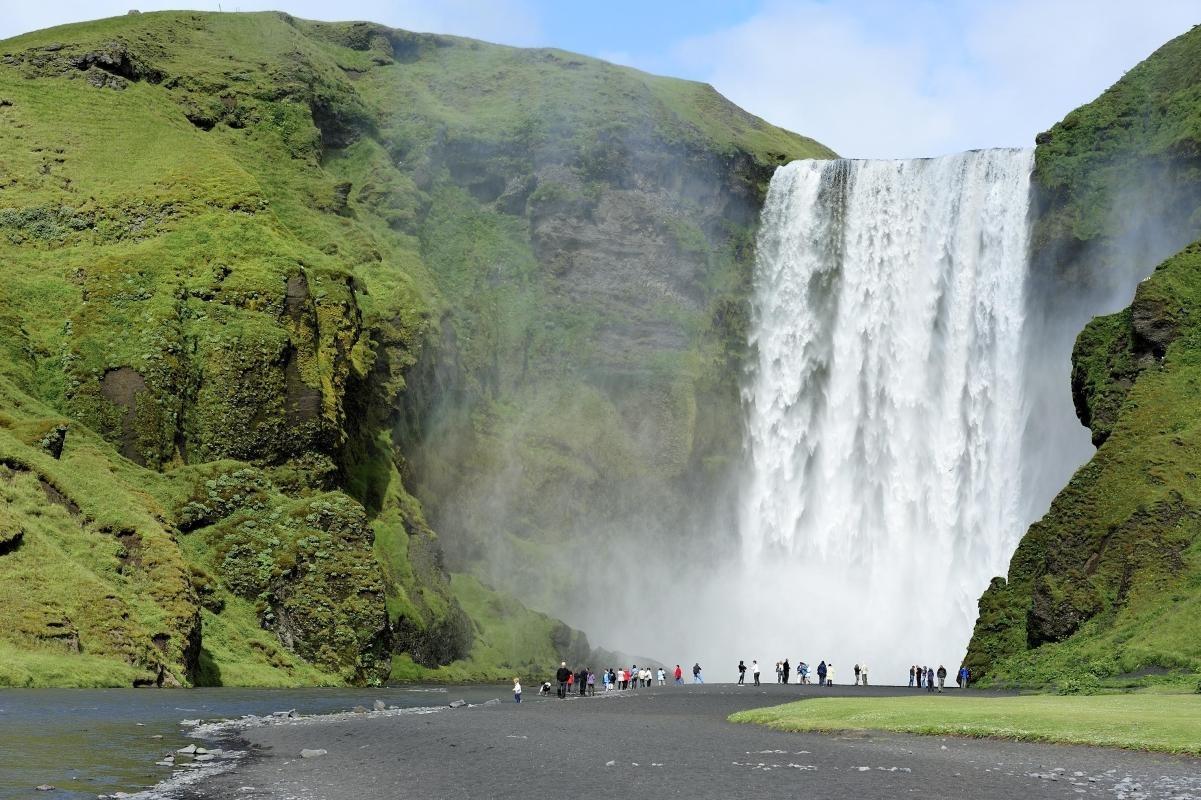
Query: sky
point(870, 78)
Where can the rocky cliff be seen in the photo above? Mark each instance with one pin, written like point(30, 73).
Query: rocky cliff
point(279, 295)
point(1106, 588)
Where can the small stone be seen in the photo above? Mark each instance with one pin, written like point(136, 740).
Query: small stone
point(201, 751)
point(187, 751)
point(306, 753)
point(164, 763)
point(493, 702)
point(359, 709)
point(157, 736)
point(189, 722)
point(380, 705)
point(458, 703)
point(610, 763)
point(45, 787)
point(204, 757)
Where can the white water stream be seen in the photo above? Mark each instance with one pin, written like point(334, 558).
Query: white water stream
point(885, 407)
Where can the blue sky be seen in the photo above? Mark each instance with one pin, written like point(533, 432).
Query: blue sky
point(870, 78)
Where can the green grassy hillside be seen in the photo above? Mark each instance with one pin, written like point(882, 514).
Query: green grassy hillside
point(1105, 590)
point(261, 274)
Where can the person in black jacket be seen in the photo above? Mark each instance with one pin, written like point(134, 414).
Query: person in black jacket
point(942, 677)
point(741, 672)
point(561, 677)
point(786, 668)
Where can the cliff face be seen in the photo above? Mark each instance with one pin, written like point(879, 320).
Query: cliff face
point(265, 276)
point(1106, 588)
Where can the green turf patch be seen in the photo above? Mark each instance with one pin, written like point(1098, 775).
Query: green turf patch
point(1167, 723)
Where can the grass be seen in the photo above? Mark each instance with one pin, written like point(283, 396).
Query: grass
point(1165, 723)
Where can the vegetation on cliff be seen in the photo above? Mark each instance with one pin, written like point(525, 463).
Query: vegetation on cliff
point(1105, 590)
point(261, 273)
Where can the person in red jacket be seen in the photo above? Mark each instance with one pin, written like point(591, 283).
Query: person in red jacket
point(679, 673)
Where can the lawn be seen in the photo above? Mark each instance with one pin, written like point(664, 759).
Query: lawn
point(1168, 723)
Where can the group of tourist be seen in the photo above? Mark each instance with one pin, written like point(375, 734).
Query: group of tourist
point(583, 680)
point(935, 679)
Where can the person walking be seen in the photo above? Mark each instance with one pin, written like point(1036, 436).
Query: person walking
point(696, 673)
point(787, 669)
point(679, 676)
point(755, 671)
point(516, 690)
point(803, 670)
point(863, 670)
point(912, 671)
point(741, 672)
point(942, 677)
point(561, 676)
point(821, 673)
point(856, 674)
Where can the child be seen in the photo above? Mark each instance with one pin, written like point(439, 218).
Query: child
point(516, 690)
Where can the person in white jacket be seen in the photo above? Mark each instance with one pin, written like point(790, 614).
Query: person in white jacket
point(755, 670)
point(516, 690)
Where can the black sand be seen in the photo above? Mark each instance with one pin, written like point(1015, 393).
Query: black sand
point(669, 742)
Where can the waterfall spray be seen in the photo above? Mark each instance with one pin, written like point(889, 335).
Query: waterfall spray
point(885, 404)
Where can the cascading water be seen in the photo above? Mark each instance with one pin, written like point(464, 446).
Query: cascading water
point(885, 408)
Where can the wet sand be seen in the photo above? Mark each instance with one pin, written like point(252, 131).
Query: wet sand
point(668, 742)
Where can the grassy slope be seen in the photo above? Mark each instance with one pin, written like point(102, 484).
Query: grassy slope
point(1133, 721)
point(1106, 588)
point(261, 220)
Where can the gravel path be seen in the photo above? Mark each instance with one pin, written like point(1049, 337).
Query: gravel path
point(669, 742)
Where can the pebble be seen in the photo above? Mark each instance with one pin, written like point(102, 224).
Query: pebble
point(157, 736)
point(204, 757)
point(164, 763)
point(190, 722)
point(458, 703)
point(379, 705)
point(187, 751)
point(312, 753)
point(45, 787)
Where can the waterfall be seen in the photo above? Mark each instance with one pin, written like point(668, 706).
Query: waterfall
point(885, 409)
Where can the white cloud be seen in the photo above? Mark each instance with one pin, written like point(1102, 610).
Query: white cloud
point(509, 21)
point(904, 80)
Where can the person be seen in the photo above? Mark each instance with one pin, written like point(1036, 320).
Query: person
point(863, 670)
point(612, 679)
point(803, 670)
point(605, 680)
point(662, 676)
point(679, 676)
point(741, 672)
point(779, 672)
point(561, 676)
point(942, 677)
point(570, 682)
point(967, 676)
point(591, 678)
point(755, 670)
point(856, 674)
point(516, 690)
point(829, 674)
point(545, 689)
point(912, 670)
point(787, 668)
point(581, 680)
point(929, 679)
point(696, 673)
point(821, 673)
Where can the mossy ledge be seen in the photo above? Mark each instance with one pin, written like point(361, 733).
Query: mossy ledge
point(248, 258)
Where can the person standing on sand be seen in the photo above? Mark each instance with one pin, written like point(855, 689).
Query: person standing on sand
point(803, 670)
point(929, 679)
point(829, 674)
point(787, 668)
point(779, 672)
point(912, 670)
point(821, 673)
point(942, 677)
point(662, 676)
point(741, 672)
point(696, 673)
point(863, 670)
point(516, 690)
point(591, 683)
point(679, 676)
point(755, 670)
point(561, 676)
